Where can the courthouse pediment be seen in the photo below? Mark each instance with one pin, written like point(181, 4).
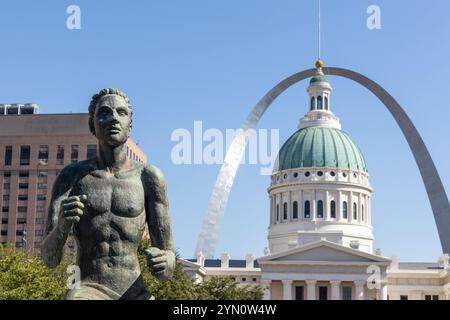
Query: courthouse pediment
point(323, 251)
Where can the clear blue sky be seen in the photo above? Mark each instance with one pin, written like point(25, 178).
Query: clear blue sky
point(181, 61)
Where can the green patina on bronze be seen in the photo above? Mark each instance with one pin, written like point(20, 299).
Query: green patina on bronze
point(107, 202)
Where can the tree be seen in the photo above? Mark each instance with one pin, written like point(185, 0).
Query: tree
point(226, 288)
point(25, 277)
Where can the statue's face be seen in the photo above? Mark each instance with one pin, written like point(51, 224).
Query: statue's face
point(112, 120)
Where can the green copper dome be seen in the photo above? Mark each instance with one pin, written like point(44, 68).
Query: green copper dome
point(318, 78)
point(320, 147)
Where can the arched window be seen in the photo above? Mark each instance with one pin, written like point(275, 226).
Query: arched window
point(319, 103)
point(278, 212)
point(320, 209)
point(362, 212)
point(285, 211)
point(344, 209)
point(295, 210)
point(333, 209)
point(326, 102)
point(307, 209)
point(313, 103)
point(355, 211)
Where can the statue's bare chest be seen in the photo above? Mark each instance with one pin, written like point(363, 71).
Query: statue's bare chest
point(123, 197)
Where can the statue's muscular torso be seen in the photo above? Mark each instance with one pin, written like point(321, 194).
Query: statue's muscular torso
point(111, 227)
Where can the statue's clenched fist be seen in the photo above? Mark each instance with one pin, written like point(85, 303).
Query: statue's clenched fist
point(161, 263)
point(72, 208)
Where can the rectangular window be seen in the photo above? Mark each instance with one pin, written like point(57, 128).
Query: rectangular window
point(435, 297)
point(24, 155)
point(42, 197)
point(333, 209)
point(39, 232)
point(40, 209)
point(22, 209)
point(299, 293)
point(4, 232)
point(23, 185)
point(403, 297)
point(37, 244)
point(6, 186)
point(74, 153)
point(19, 232)
point(7, 174)
point(323, 293)
point(428, 297)
point(60, 155)
point(5, 197)
point(347, 293)
point(91, 151)
point(43, 154)
point(5, 209)
point(22, 197)
point(21, 220)
point(42, 174)
point(307, 209)
point(42, 185)
point(19, 244)
point(4, 220)
point(40, 220)
point(24, 174)
point(8, 155)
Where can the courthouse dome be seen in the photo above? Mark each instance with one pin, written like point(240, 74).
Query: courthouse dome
point(320, 147)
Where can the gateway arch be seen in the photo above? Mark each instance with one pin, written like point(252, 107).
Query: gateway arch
point(440, 206)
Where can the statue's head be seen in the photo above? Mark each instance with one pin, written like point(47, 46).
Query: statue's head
point(110, 116)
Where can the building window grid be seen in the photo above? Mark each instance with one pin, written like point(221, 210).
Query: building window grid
point(43, 154)
point(8, 155)
point(25, 155)
point(320, 209)
point(347, 293)
point(74, 153)
point(333, 209)
point(307, 209)
point(295, 210)
point(60, 155)
point(91, 151)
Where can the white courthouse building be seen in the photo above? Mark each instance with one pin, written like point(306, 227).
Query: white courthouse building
point(320, 239)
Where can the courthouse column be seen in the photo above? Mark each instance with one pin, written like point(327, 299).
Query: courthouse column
point(311, 289)
point(287, 289)
point(335, 290)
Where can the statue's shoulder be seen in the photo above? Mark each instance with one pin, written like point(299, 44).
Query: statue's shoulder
point(75, 171)
point(153, 175)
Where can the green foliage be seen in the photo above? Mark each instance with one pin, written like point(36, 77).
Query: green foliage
point(226, 288)
point(24, 277)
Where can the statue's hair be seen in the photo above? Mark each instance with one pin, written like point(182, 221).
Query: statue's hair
point(98, 96)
